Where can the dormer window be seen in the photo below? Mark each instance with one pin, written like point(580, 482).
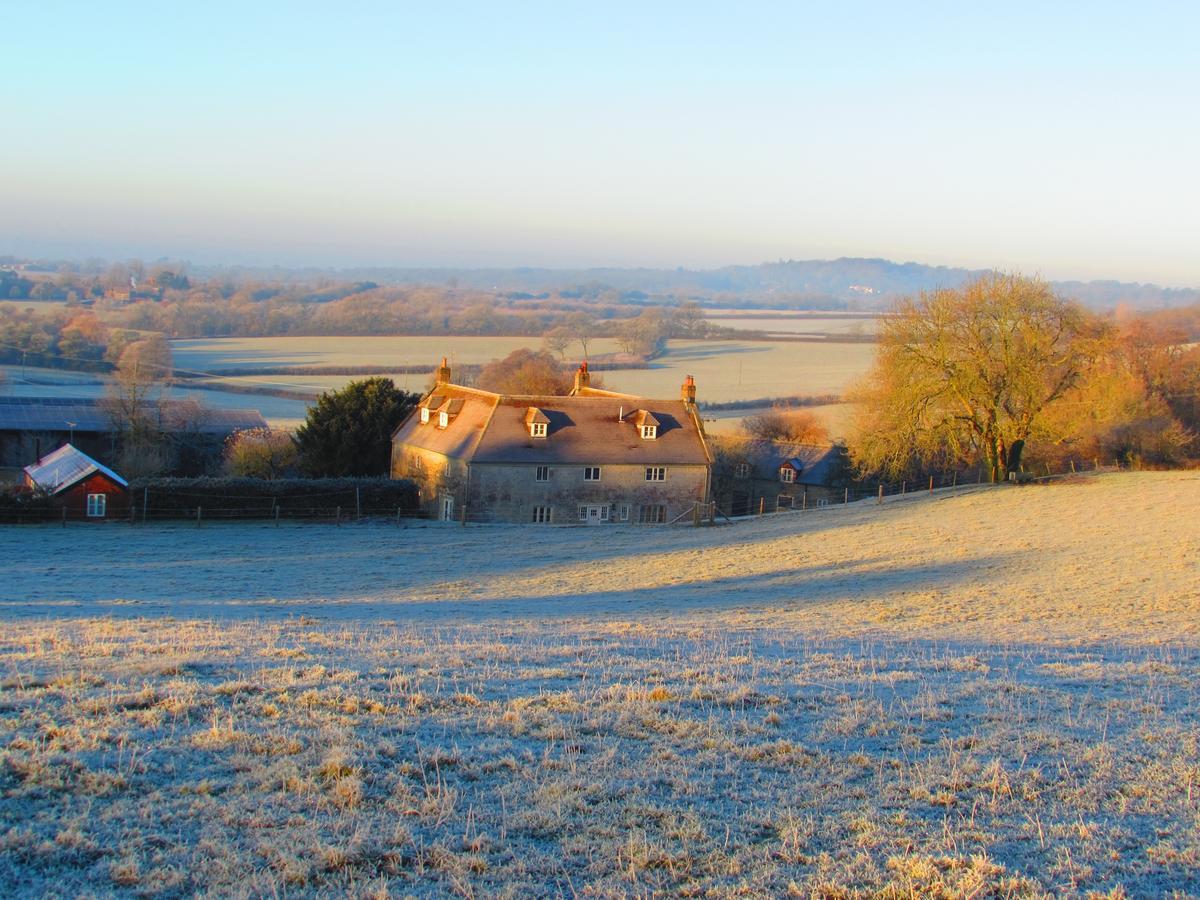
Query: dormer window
point(443, 419)
point(430, 405)
point(742, 470)
point(537, 422)
point(647, 425)
point(787, 474)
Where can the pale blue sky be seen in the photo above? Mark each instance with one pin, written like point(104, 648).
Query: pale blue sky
point(1063, 141)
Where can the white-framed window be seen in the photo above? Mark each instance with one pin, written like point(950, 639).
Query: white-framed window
point(542, 473)
point(424, 415)
point(591, 473)
point(541, 514)
point(787, 474)
point(97, 505)
point(649, 432)
point(623, 512)
point(652, 514)
point(443, 419)
point(783, 501)
point(583, 514)
point(741, 470)
point(656, 473)
point(537, 429)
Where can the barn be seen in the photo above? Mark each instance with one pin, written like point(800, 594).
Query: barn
point(85, 488)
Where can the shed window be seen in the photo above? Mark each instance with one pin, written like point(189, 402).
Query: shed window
point(591, 473)
point(443, 419)
point(537, 429)
point(97, 504)
point(541, 514)
point(623, 510)
point(649, 432)
point(656, 473)
point(787, 474)
point(542, 473)
point(424, 415)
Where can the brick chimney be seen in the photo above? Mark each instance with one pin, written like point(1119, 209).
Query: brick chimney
point(582, 378)
point(443, 372)
point(687, 393)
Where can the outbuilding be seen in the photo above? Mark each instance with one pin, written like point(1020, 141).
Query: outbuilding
point(84, 487)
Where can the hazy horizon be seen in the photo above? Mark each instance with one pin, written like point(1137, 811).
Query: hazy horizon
point(1031, 139)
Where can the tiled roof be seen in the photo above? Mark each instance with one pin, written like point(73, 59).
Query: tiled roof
point(592, 430)
point(460, 437)
point(91, 416)
point(67, 466)
point(815, 464)
point(595, 428)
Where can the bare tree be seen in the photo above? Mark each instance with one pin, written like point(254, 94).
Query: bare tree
point(134, 403)
point(969, 373)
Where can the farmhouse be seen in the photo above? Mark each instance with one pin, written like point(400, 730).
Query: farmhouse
point(84, 487)
point(594, 457)
point(753, 476)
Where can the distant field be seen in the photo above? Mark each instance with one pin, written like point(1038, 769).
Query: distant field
point(56, 383)
point(933, 697)
point(745, 370)
point(38, 306)
point(724, 370)
point(796, 324)
point(213, 354)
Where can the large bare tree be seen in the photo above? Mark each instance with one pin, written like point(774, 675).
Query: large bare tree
point(965, 375)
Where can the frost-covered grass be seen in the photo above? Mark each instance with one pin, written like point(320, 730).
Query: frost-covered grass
point(525, 712)
point(251, 758)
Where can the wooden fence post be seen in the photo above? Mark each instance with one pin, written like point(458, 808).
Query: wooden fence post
point(846, 498)
point(762, 505)
point(338, 520)
point(880, 500)
point(931, 484)
point(462, 516)
point(145, 504)
point(276, 515)
point(198, 509)
point(357, 502)
point(804, 501)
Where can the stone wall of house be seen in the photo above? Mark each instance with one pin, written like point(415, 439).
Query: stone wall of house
point(436, 476)
point(510, 493)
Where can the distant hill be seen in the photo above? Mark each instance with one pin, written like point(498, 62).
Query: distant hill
point(848, 282)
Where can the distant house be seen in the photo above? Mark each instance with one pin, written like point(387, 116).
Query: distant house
point(84, 487)
point(30, 426)
point(752, 476)
point(594, 457)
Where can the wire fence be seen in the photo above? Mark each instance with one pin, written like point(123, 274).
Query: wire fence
point(147, 507)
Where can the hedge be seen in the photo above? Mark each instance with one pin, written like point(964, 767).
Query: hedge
point(249, 497)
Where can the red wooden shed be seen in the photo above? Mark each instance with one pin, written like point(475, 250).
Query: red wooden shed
point(86, 488)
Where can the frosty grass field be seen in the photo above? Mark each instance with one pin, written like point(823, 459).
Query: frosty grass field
point(992, 692)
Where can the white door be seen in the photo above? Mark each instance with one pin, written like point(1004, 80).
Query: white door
point(594, 515)
point(447, 509)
